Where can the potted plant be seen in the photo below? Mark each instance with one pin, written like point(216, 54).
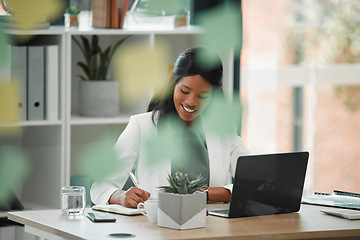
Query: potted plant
point(98, 96)
point(181, 205)
point(71, 16)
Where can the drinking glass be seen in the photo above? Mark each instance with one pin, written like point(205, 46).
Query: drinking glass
point(73, 200)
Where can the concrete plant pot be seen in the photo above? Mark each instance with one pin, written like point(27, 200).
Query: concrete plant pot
point(182, 211)
point(99, 98)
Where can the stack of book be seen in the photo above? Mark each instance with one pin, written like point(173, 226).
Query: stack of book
point(109, 13)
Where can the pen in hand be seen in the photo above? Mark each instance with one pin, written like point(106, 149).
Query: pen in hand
point(134, 179)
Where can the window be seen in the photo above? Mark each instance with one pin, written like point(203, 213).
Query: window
point(300, 86)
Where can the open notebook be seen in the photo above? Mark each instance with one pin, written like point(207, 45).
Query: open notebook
point(116, 208)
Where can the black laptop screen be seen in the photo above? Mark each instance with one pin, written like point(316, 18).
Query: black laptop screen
point(268, 184)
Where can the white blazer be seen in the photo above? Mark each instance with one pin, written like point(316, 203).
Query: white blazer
point(223, 154)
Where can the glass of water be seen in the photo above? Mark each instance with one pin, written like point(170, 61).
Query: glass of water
point(73, 200)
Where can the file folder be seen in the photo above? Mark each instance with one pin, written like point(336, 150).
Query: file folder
point(35, 110)
point(52, 82)
point(5, 64)
point(19, 74)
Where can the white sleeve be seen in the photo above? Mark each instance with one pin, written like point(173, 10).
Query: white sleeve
point(126, 149)
point(237, 149)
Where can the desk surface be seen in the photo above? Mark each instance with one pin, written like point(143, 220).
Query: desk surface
point(308, 223)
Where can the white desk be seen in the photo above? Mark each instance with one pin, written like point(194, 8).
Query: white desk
point(309, 223)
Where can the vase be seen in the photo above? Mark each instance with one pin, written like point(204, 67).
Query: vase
point(182, 211)
point(99, 98)
point(71, 20)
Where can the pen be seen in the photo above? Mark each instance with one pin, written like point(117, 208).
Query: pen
point(134, 179)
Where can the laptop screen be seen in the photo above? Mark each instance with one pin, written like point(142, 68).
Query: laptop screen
point(268, 184)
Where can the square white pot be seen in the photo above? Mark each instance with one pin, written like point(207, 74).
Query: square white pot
point(182, 211)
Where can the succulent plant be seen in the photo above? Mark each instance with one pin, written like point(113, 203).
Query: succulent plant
point(180, 183)
point(72, 10)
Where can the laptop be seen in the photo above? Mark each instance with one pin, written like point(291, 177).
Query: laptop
point(265, 185)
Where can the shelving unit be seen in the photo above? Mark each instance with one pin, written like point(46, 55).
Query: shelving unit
point(42, 141)
point(53, 146)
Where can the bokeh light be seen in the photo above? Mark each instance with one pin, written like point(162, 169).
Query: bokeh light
point(140, 69)
point(222, 29)
point(222, 115)
point(14, 168)
point(98, 160)
point(31, 14)
point(167, 144)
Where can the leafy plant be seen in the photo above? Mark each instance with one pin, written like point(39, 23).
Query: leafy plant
point(180, 183)
point(97, 61)
point(72, 10)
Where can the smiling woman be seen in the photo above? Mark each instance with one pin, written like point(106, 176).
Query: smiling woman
point(191, 95)
point(174, 124)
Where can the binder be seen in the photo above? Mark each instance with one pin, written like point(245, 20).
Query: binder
point(35, 110)
point(5, 64)
point(19, 74)
point(51, 82)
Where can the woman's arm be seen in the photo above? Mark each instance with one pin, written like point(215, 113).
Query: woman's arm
point(126, 150)
point(130, 198)
point(219, 194)
point(223, 194)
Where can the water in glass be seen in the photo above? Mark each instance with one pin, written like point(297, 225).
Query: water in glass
point(73, 200)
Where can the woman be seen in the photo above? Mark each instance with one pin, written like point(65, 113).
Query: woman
point(193, 84)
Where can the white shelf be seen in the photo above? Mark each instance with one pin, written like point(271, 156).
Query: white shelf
point(78, 120)
point(52, 30)
point(34, 123)
point(135, 30)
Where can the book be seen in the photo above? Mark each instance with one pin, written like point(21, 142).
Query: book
point(102, 13)
point(124, 5)
point(114, 13)
point(116, 208)
point(35, 108)
point(99, 18)
point(19, 74)
point(51, 82)
point(338, 199)
point(344, 213)
point(108, 13)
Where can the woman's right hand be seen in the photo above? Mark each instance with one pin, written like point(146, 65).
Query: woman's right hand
point(130, 198)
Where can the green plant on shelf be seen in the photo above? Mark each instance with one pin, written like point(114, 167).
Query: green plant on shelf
point(72, 10)
point(97, 61)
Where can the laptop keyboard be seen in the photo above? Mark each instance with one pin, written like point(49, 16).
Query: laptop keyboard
point(222, 211)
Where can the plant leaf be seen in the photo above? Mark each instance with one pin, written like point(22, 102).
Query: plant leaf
point(84, 68)
point(116, 47)
point(95, 45)
point(81, 77)
point(94, 68)
point(79, 45)
point(104, 64)
point(87, 49)
point(180, 183)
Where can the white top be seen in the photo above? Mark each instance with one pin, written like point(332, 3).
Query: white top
point(130, 150)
